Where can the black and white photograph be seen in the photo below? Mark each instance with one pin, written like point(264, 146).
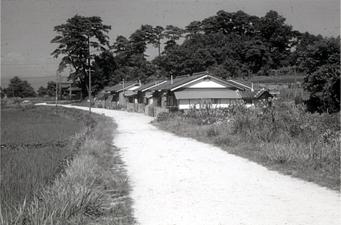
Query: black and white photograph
point(170, 112)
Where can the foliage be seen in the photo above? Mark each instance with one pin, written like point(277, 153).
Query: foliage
point(42, 91)
point(104, 67)
point(75, 39)
point(19, 88)
point(2, 93)
point(228, 44)
point(324, 88)
point(321, 51)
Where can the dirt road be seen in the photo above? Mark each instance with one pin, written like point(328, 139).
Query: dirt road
point(182, 181)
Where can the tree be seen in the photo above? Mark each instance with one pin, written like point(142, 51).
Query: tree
point(277, 35)
point(321, 52)
point(42, 91)
point(104, 66)
point(157, 37)
point(19, 88)
point(2, 93)
point(172, 34)
point(51, 88)
point(324, 88)
point(75, 39)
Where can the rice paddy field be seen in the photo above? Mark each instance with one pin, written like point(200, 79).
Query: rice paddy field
point(35, 148)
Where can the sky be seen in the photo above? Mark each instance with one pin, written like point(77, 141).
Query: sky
point(27, 25)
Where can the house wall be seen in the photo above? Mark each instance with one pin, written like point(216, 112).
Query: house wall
point(122, 99)
point(203, 103)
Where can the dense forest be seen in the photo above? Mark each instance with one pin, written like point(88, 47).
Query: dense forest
point(228, 44)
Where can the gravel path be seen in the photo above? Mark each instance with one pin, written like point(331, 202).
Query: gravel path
point(179, 180)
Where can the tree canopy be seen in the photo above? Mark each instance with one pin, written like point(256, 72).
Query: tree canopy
point(228, 44)
point(19, 88)
point(75, 39)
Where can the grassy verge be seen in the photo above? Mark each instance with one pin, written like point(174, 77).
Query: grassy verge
point(283, 138)
point(92, 189)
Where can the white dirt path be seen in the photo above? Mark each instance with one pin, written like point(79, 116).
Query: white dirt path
point(179, 181)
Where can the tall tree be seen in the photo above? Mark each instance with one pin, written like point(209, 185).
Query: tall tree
point(324, 88)
point(104, 67)
point(51, 88)
point(321, 52)
point(42, 91)
point(172, 34)
point(75, 39)
point(19, 88)
point(158, 35)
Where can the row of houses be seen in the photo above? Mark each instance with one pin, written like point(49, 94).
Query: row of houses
point(181, 93)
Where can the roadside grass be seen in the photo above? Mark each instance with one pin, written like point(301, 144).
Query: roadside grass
point(284, 138)
point(92, 188)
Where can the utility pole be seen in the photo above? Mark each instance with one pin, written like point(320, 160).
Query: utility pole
point(57, 86)
point(89, 64)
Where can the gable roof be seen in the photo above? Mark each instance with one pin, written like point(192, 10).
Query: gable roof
point(252, 94)
point(119, 87)
point(150, 85)
point(182, 81)
point(240, 84)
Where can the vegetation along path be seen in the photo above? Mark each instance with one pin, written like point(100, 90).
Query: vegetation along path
point(179, 180)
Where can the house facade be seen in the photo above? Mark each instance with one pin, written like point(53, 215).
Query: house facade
point(197, 91)
point(200, 90)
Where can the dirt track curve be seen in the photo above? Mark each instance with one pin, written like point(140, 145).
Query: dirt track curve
point(179, 181)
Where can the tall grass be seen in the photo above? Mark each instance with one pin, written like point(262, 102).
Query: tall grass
point(284, 137)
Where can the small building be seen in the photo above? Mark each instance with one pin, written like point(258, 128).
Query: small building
point(197, 91)
point(121, 93)
point(144, 94)
point(68, 90)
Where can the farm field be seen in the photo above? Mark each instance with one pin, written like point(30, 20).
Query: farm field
point(35, 143)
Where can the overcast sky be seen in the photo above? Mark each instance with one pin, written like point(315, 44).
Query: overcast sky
point(27, 25)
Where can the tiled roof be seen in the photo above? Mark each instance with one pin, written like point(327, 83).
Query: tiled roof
point(178, 81)
point(149, 85)
point(119, 87)
point(129, 93)
point(240, 84)
point(252, 94)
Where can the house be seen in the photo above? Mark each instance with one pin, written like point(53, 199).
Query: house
point(196, 91)
point(144, 94)
point(67, 89)
point(120, 93)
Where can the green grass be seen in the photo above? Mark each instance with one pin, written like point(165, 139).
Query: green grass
point(89, 187)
